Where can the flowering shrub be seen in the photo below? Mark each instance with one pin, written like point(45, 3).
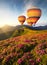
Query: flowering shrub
point(24, 50)
point(20, 61)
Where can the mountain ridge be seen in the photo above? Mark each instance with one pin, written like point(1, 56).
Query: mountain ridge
point(12, 31)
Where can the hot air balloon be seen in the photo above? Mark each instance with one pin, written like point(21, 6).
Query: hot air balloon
point(34, 12)
point(21, 19)
point(29, 21)
point(34, 15)
point(32, 20)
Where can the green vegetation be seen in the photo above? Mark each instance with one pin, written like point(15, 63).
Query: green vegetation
point(10, 32)
point(24, 47)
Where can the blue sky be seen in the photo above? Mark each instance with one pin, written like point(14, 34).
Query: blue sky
point(11, 9)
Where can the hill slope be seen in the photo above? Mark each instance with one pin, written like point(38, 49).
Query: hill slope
point(29, 47)
point(12, 31)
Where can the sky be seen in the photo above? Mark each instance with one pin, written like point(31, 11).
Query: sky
point(11, 9)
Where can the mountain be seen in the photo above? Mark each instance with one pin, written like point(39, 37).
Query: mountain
point(6, 31)
point(37, 28)
point(8, 28)
point(12, 31)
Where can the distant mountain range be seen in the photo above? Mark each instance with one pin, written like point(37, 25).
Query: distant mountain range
point(37, 28)
point(8, 28)
point(10, 31)
point(6, 32)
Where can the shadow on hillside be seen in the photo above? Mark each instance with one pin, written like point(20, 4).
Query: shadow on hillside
point(36, 28)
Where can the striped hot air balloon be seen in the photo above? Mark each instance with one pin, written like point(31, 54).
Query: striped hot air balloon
point(34, 12)
point(32, 20)
point(29, 21)
point(22, 19)
point(34, 15)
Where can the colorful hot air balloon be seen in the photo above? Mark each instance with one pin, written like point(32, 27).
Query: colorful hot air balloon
point(34, 12)
point(21, 19)
point(32, 20)
point(34, 15)
point(29, 21)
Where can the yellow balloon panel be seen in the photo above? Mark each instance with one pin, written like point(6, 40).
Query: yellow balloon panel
point(30, 23)
point(34, 13)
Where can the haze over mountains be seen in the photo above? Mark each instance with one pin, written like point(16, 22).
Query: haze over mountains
point(7, 28)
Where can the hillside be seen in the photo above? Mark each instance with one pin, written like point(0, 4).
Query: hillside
point(12, 31)
point(26, 46)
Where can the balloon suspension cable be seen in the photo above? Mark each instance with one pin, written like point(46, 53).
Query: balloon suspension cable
point(33, 24)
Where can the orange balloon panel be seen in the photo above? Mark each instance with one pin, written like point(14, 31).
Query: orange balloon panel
point(34, 13)
point(32, 19)
point(22, 19)
point(30, 23)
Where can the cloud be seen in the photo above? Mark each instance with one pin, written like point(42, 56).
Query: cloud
point(28, 4)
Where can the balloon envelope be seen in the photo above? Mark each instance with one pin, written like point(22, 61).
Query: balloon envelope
point(21, 19)
point(32, 20)
point(34, 12)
